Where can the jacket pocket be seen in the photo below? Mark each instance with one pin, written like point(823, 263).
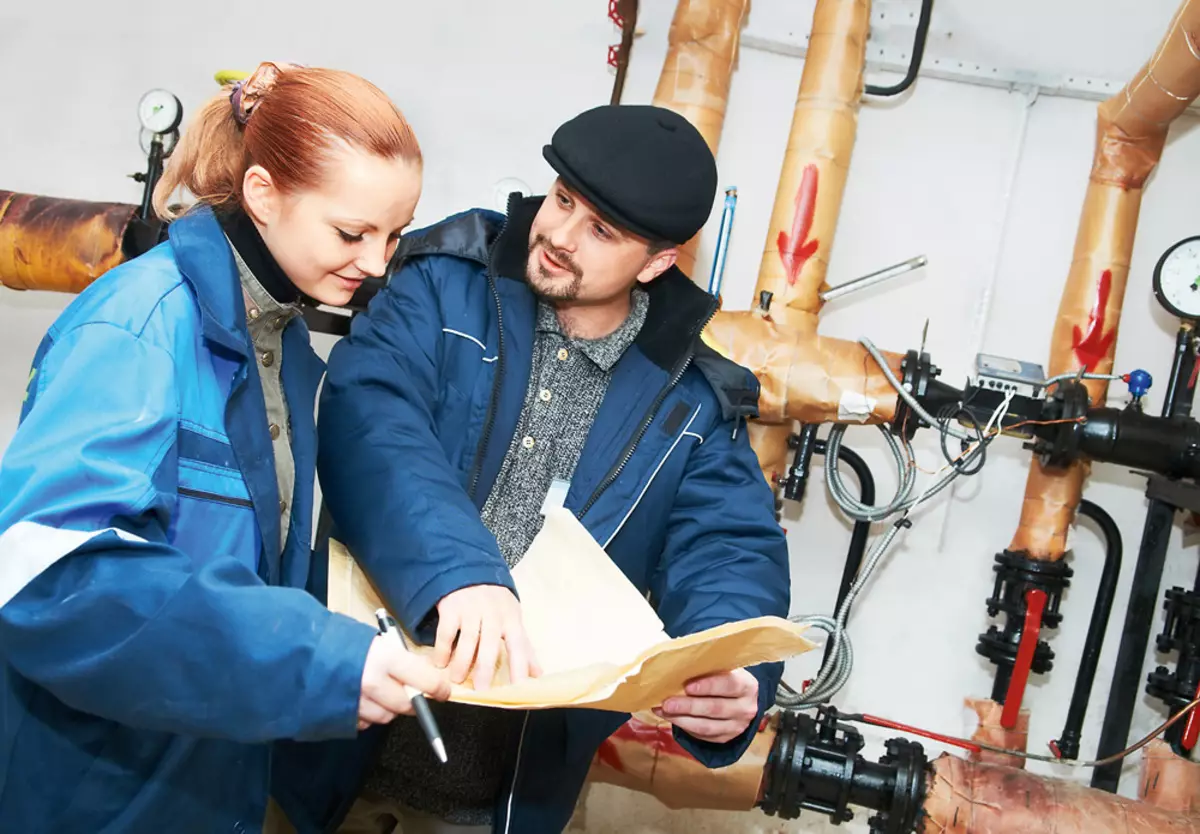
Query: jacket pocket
point(200, 495)
point(214, 514)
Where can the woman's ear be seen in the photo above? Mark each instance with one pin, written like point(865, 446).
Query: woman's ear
point(259, 195)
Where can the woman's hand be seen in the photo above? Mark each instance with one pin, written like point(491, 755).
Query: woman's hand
point(389, 668)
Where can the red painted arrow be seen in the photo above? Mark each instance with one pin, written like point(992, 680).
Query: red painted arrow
point(794, 249)
point(1091, 347)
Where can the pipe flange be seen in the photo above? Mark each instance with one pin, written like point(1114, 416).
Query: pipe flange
point(916, 371)
point(908, 757)
point(1069, 403)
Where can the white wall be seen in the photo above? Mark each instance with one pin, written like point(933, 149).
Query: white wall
point(985, 185)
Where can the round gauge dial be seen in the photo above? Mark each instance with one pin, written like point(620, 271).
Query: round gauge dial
point(1177, 279)
point(159, 111)
point(169, 141)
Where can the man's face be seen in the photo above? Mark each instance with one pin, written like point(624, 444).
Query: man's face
point(577, 257)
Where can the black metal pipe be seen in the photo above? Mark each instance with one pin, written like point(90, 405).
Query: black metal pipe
point(1139, 619)
point(1068, 742)
point(1181, 372)
point(1128, 437)
point(154, 167)
point(914, 64)
point(1147, 576)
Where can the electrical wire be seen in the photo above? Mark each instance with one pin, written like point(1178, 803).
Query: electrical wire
point(977, 746)
point(904, 394)
point(839, 663)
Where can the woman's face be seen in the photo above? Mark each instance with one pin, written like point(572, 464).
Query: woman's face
point(330, 238)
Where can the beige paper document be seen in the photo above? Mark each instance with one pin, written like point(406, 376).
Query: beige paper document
point(597, 639)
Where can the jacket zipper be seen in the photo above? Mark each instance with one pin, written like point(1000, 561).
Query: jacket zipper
point(212, 496)
point(497, 379)
point(615, 472)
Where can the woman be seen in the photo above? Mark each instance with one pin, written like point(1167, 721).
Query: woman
point(156, 501)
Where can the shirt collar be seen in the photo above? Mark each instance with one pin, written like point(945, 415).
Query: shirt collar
point(606, 351)
point(263, 308)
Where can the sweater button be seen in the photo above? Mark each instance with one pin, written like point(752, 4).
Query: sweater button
point(527, 442)
point(562, 354)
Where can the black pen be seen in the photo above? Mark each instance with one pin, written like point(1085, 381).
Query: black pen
point(420, 706)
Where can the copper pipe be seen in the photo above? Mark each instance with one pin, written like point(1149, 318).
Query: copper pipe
point(1131, 132)
point(644, 756)
point(975, 798)
point(809, 196)
point(1168, 781)
point(47, 243)
point(702, 51)
point(991, 732)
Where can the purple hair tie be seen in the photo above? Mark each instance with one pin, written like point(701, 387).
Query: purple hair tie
point(235, 101)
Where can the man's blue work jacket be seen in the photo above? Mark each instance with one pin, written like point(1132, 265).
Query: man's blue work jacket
point(418, 409)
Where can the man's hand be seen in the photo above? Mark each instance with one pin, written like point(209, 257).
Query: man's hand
point(716, 708)
point(480, 618)
point(389, 668)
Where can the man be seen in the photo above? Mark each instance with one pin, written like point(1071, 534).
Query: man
point(550, 355)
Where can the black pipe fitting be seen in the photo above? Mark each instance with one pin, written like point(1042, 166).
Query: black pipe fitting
point(1017, 573)
point(1181, 633)
point(804, 444)
point(916, 372)
point(815, 765)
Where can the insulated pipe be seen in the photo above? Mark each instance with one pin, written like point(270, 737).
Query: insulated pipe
point(966, 797)
point(1168, 781)
point(991, 731)
point(1131, 132)
point(808, 200)
point(47, 243)
point(703, 47)
point(803, 376)
point(809, 196)
point(644, 756)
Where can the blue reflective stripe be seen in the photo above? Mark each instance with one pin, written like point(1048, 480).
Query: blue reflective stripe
point(196, 446)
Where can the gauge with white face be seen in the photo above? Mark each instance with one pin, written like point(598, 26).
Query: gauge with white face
point(159, 111)
point(1177, 279)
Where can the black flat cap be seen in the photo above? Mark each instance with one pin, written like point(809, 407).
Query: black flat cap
point(646, 168)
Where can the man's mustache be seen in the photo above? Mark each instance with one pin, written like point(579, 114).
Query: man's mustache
point(558, 256)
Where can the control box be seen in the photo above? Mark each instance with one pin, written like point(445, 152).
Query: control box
point(998, 373)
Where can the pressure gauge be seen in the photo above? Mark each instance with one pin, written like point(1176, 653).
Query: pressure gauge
point(160, 112)
point(1177, 279)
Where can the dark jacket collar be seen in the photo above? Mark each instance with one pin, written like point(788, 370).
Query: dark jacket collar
point(679, 309)
point(245, 237)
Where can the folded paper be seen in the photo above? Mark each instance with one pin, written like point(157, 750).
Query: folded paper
point(598, 640)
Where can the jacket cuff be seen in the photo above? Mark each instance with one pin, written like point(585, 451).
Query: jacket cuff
point(419, 612)
point(334, 682)
point(713, 755)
